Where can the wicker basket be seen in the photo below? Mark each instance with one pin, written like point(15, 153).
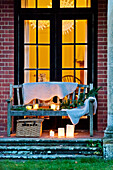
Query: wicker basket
point(29, 127)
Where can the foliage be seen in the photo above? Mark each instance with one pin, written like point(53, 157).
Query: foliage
point(19, 108)
point(93, 92)
point(59, 164)
point(96, 144)
point(80, 101)
point(68, 104)
point(23, 108)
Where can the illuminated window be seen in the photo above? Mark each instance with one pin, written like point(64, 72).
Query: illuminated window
point(74, 56)
point(48, 3)
point(71, 3)
point(83, 3)
point(36, 3)
point(66, 3)
point(56, 42)
point(36, 50)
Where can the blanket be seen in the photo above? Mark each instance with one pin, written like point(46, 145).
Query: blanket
point(47, 90)
point(75, 113)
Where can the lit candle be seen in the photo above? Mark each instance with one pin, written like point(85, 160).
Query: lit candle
point(70, 130)
point(53, 106)
point(51, 133)
point(57, 107)
point(61, 132)
point(28, 107)
point(35, 106)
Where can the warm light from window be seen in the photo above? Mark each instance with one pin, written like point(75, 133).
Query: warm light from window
point(66, 3)
point(32, 3)
point(28, 3)
point(44, 4)
point(83, 3)
point(48, 3)
point(81, 31)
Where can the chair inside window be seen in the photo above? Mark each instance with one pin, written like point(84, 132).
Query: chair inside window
point(70, 78)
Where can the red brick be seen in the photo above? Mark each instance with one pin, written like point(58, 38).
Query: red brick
point(6, 57)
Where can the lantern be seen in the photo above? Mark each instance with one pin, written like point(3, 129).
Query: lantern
point(70, 130)
point(28, 107)
point(61, 132)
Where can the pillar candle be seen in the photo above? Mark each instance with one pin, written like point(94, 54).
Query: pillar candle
point(69, 130)
point(61, 132)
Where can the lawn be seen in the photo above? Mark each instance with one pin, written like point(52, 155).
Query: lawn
point(78, 164)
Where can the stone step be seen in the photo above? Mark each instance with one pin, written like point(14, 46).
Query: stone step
point(46, 142)
point(49, 150)
point(55, 156)
point(33, 148)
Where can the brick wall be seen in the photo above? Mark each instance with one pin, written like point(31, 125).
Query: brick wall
point(102, 65)
point(6, 57)
point(7, 60)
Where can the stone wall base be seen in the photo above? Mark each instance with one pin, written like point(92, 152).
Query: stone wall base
point(108, 148)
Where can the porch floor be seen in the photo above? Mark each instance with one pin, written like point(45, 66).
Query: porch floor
point(77, 134)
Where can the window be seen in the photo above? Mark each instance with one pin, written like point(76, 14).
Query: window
point(56, 42)
point(74, 50)
point(36, 50)
point(48, 3)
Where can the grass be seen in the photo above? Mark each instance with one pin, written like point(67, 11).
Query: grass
point(78, 164)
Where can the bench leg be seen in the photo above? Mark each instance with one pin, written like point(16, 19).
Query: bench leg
point(91, 118)
point(8, 120)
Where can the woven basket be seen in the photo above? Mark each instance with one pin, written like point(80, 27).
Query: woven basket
point(29, 127)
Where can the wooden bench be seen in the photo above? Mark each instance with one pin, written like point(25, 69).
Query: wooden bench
point(18, 91)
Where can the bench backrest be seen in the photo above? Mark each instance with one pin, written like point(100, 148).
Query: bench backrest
point(18, 91)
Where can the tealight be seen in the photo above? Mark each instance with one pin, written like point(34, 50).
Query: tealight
point(51, 133)
point(57, 107)
point(28, 107)
point(53, 106)
point(35, 106)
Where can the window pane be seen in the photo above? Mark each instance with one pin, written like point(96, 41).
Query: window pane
point(29, 76)
point(43, 31)
point(81, 31)
point(28, 3)
point(66, 3)
point(67, 56)
point(29, 31)
point(43, 75)
point(67, 31)
point(81, 56)
point(44, 4)
point(83, 3)
point(67, 76)
point(82, 76)
point(22, 3)
point(43, 56)
point(30, 56)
